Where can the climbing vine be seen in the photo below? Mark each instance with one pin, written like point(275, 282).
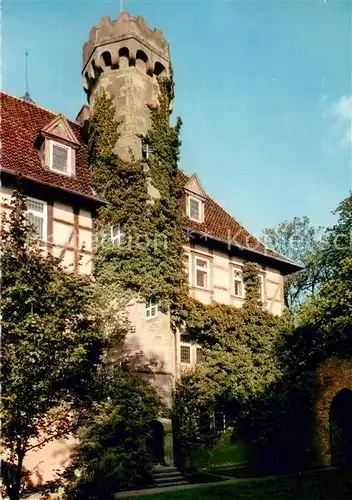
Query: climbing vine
point(149, 258)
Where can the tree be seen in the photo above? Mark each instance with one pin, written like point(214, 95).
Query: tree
point(300, 242)
point(338, 239)
point(240, 357)
point(193, 416)
point(52, 345)
point(113, 452)
point(239, 344)
point(280, 422)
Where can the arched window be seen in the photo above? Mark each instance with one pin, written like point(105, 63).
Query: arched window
point(142, 55)
point(159, 69)
point(124, 55)
point(106, 59)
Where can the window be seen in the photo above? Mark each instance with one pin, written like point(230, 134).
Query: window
point(185, 354)
point(116, 235)
point(151, 309)
point(36, 215)
point(195, 209)
point(146, 150)
point(202, 272)
point(60, 158)
point(238, 289)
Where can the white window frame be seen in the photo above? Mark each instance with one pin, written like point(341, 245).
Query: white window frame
point(151, 310)
point(193, 350)
point(118, 238)
point(200, 203)
point(200, 268)
point(69, 158)
point(234, 278)
point(147, 150)
point(43, 215)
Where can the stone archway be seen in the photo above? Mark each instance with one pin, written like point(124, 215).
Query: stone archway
point(335, 382)
point(155, 442)
point(341, 429)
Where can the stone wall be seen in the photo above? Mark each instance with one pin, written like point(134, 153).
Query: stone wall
point(124, 57)
point(333, 375)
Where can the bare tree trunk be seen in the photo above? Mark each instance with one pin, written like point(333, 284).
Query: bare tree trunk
point(14, 491)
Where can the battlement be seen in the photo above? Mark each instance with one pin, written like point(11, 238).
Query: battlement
point(126, 41)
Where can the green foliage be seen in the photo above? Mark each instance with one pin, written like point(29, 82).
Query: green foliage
point(301, 242)
point(226, 452)
point(239, 344)
point(339, 239)
point(147, 261)
point(240, 363)
point(280, 423)
point(330, 484)
point(193, 417)
point(52, 345)
point(113, 451)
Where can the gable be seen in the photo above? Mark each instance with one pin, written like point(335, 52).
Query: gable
point(21, 125)
point(193, 186)
point(60, 128)
point(221, 226)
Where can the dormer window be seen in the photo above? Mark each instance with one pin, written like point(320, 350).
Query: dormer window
point(58, 144)
point(195, 209)
point(195, 199)
point(60, 158)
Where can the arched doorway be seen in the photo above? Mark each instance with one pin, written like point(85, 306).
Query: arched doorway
point(341, 428)
point(156, 442)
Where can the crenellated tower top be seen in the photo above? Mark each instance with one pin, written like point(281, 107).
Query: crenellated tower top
point(126, 41)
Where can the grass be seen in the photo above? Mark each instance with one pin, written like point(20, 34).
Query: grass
point(204, 477)
point(331, 484)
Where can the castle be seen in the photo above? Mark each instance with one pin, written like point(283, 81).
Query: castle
point(125, 57)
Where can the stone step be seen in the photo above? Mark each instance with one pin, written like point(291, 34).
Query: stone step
point(165, 476)
point(167, 479)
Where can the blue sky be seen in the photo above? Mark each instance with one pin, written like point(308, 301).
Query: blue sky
point(263, 89)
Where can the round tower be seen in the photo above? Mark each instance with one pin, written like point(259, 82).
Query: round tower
point(124, 57)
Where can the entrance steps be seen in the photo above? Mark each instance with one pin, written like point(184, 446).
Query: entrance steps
point(164, 476)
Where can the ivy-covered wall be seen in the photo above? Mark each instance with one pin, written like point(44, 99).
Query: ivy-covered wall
point(148, 262)
point(334, 375)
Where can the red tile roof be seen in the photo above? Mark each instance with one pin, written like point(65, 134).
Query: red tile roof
point(21, 123)
point(220, 225)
